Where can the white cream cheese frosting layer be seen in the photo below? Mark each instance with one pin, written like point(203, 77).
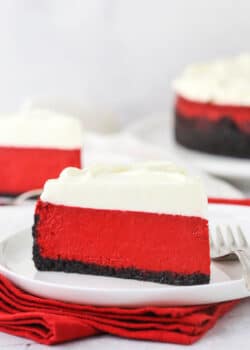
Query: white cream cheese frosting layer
point(225, 82)
point(155, 187)
point(40, 128)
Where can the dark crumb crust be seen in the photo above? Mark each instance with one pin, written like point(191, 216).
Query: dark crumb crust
point(46, 264)
point(220, 138)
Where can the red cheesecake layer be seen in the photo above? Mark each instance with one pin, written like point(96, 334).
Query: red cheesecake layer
point(24, 169)
point(159, 247)
point(213, 112)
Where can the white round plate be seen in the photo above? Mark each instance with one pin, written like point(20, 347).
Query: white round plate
point(226, 278)
point(159, 131)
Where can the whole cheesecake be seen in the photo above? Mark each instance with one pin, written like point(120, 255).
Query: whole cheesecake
point(145, 221)
point(35, 146)
point(212, 107)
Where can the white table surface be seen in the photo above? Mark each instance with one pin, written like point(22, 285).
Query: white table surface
point(230, 332)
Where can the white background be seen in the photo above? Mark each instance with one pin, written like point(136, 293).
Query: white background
point(119, 55)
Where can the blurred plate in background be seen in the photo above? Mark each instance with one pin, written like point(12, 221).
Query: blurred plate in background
point(158, 130)
point(126, 147)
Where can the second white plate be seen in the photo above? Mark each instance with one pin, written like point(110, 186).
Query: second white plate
point(158, 130)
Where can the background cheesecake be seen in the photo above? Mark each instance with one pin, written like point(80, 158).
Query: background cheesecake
point(212, 107)
point(35, 146)
point(145, 221)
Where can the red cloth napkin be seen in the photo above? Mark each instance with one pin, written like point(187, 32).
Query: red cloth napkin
point(50, 322)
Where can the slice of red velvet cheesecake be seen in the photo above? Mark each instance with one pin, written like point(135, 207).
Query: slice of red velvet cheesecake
point(145, 221)
point(35, 146)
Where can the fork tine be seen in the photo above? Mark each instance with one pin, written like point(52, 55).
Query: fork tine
point(220, 242)
point(230, 238)
point(241, 237)
point(212, 245)
point(211, 239)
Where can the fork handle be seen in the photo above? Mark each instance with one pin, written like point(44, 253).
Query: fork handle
point(244, 257)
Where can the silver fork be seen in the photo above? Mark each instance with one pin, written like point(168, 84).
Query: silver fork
point(230, 244)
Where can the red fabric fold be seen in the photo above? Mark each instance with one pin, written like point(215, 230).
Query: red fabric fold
point(50, 321)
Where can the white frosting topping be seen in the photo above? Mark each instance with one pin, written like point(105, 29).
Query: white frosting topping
point(223, 81)
point(40, 128)
point(156, 187)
